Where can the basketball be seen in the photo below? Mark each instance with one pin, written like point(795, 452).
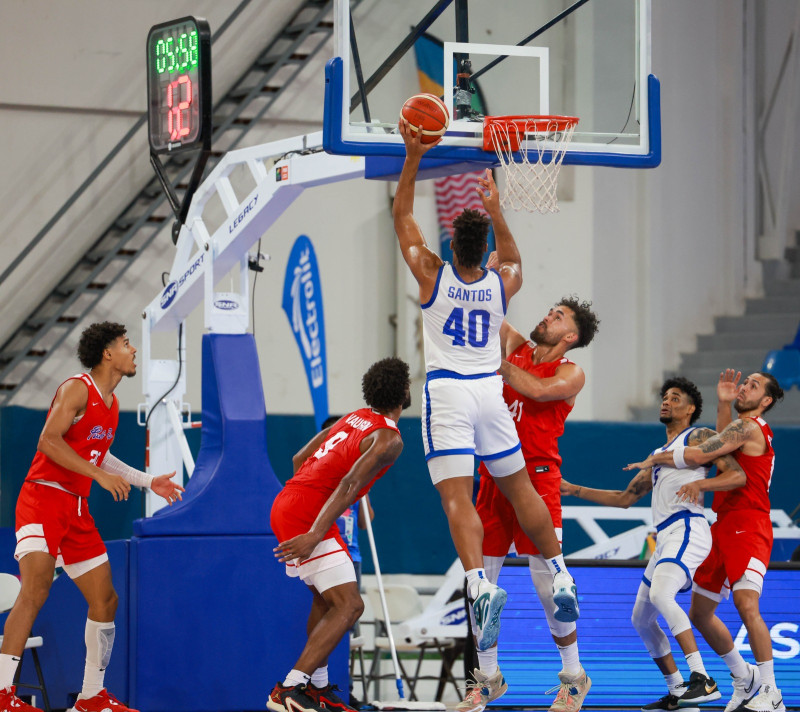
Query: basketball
point(428, 113)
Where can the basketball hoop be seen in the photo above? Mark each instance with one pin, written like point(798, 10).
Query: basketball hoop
point(532, 173)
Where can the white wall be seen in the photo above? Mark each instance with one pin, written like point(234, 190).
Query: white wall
point(659, 252)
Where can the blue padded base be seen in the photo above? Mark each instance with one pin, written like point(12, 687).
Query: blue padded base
point(215, 623)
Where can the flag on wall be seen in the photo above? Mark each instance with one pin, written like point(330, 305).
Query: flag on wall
point(302, 302)
point(456, 192)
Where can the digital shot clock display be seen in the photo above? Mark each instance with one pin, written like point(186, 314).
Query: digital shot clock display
point(179, 85)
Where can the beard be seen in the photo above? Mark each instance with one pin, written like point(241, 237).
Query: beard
point(665, 419)
point(539, 336)
point(744, 406)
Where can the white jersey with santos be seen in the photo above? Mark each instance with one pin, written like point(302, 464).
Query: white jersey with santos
point(463, 411)
point(461, 323)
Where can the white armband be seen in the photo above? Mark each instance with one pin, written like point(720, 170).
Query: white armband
point(677, 456)
point(117, 467)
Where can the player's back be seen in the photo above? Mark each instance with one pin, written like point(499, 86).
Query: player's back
point(461, 323)
point(668, 480)
point(322, 472)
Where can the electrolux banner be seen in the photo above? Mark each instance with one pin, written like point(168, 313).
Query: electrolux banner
point(302, 302)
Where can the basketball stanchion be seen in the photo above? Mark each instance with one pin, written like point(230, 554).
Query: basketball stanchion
point(530, 149)
point(402, 703)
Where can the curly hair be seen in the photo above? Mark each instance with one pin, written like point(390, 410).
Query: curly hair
point(585, 319)
point(385, 384)
point(95, 339)
point(470, 233)
point(773, 389)
point(684, 385)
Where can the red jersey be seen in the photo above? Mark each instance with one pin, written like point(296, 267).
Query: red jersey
point(321, 473)
point(539, 423)
point(758, 468)
point(90, 436)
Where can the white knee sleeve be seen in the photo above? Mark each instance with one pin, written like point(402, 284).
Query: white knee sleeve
point(543, 583)
point(668, 580)
point(644, 619)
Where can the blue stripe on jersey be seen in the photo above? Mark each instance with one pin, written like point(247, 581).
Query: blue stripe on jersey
point(498, 455)
point(469, 284)
point(435, 289)
point(645, 581)
point(444, 373)
point(502, 291)
point(454, 451)
point(428, 417)
point(686, 514)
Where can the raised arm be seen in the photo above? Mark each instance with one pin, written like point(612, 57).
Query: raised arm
point(509, 262)
point(565, 384)
point(637, 488)
point(727, 389)
point(379, 450)
point(70, 403)
point(730, 474)
point(421, 260)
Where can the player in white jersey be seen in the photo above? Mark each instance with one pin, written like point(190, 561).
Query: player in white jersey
point(464, 414)
point(682, 543)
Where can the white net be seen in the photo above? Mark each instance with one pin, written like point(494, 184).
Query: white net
point(530, 149)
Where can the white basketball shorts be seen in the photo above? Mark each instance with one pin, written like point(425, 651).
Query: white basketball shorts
point(465, 417)
point(683, 539)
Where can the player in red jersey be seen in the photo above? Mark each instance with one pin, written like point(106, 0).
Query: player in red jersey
point(53, 524)
point(540, 389)
point(335, 468)
point(741, 536)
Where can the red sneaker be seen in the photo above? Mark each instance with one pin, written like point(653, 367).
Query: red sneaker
point(9, 702)
point(103, 701)
point(326, 697)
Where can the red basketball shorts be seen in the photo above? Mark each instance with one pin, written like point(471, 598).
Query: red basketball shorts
point(741, 547)
point(57, 522)
point(500, 526)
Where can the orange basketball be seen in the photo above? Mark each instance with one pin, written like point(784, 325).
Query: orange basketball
point(428, 113)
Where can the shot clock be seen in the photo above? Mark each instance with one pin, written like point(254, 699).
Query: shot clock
point(179, 85)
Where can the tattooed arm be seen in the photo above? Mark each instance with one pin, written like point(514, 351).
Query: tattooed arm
point(638, 487)
point(729, 476)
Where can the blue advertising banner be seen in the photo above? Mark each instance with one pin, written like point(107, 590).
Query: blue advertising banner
point(302, 302)
point(623, 673)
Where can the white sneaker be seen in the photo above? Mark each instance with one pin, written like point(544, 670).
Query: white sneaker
point(571, 692)
point(565, 596)
point(768, 699)
point(745, 688)
point(487, 606)
point(482, 690)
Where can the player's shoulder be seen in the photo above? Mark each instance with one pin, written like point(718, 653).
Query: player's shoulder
point(699, 435)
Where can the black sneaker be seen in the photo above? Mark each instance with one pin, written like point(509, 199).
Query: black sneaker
point(292, 699)
point(699, 689)
point(326, 697)
point(668, 703)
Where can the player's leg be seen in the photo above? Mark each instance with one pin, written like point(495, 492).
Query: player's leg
point(574, 683)
point(465, 525)
point(669, 578)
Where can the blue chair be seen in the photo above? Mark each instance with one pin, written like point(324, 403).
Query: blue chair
point(784, 364)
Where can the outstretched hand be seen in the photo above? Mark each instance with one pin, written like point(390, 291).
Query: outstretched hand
point(640, 465)
point(728, 386)
point(690, 492)
point(119, 487)
point(413, 140)
point(487, 190)
point(166, 488)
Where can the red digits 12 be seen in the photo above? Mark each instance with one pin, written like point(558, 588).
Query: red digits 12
point(177, 122)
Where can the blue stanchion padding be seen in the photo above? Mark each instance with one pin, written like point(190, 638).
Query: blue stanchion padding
point(233, 485)
point(215, 623)
point(784, 364)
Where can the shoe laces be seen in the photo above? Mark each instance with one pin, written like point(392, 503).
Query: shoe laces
point(474, 687)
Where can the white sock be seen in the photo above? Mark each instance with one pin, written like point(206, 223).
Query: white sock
point(8, 668)
point(767, 671)
point(674, 680)
point(474, 577)
point(695, 662)
point(320, 677)
point(99, 638)
point(556, 564)
point(296, 677)
point(736, 663)
point(487, 660)
point(570, 659)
